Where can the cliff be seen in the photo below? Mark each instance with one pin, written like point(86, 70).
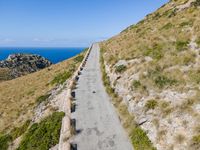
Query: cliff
point(17, 65)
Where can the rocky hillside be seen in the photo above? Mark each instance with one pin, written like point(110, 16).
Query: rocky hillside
point(17, 65)
point(154, 66)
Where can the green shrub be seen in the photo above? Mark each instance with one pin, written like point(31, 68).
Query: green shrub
point(186, 23)
point(198, 41)
point(61, 77)
point(162, 81)
point(120, 68)
point(196, 3)
point(43, 135)
point(182, 45)
point(155, 53)
point(136, 84)
point(167, 26)
point(195, 76)
point(78, 58)
point(18, 131)
point(151, 104)
point(4, 141)
point(140, 140)
point(42, 98)
point(196, 142)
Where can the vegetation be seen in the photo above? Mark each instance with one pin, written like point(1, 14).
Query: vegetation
point(151, 104)
point(17, 105)
point(155, 52)
point(42, 98)
point(79, 58)
point(18, 131)
point(120, 68)
point(195, 143)
point(140, 140)
point(182, 45)
point(162, 81)
point(4, 141)
point(61, 77)
point(136, 84)
point(43, 135)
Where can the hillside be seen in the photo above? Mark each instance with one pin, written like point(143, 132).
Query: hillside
point(17, 65)
point(154, 66)
point(33, 101)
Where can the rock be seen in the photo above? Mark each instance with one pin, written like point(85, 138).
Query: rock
point(22, 64)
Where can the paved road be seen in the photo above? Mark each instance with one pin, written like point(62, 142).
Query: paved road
point(96, 120)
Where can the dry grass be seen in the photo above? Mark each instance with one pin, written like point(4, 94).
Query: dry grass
point(18, 97)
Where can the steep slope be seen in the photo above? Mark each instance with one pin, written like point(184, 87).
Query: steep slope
point(17, 65)
point(154, 67)
point(30, 100)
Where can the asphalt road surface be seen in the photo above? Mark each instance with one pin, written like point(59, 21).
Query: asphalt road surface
point(97, 124)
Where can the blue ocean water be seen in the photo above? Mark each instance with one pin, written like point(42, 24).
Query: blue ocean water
point(55, 55)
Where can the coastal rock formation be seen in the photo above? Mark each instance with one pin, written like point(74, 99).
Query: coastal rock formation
point(22, 64)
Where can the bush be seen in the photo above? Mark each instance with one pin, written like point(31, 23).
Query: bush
point(198, 41)
point(167, 26)
point(61, 78)
point(78, 59)
point(43, 135)
point(120, 68)
point(42, 98)
point(196, 141)
point(155, 53)
point(17, 132)
point(182, 45)
point(151, 104)
point(4, 141)
point(140, 140)
point(186, 23)
point(162, 81)
point(196, 3)
point(136, 84)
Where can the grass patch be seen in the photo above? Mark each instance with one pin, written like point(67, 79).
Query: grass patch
point(78, 58)
point(42, 98)
point(120, 68)
point(4, 141)
point(43, 135)
point(138, 137)
point(195, 142)
point(151, 104)
point(136, 84)
point(140, 140)
point(196, 3)
point(198, 41)
point(182, 45)
point(61, 77)
point(162, 81)
point(18, 131)
point(167, 26)
point(155, 52)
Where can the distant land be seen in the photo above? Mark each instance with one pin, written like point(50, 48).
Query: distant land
point(54, 54)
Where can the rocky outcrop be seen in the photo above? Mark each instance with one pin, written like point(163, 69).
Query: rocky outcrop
point(22, 64)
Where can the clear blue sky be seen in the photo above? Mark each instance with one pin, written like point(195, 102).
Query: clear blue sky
point(54, 23)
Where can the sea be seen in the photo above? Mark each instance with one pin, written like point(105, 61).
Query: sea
point(54, 54)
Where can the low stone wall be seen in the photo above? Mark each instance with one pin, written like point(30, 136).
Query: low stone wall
point(65, 133)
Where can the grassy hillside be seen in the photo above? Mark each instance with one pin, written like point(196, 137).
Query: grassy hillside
point(20, 96)
point(154, 65)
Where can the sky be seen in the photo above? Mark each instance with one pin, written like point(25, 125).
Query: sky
point(68, 23)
